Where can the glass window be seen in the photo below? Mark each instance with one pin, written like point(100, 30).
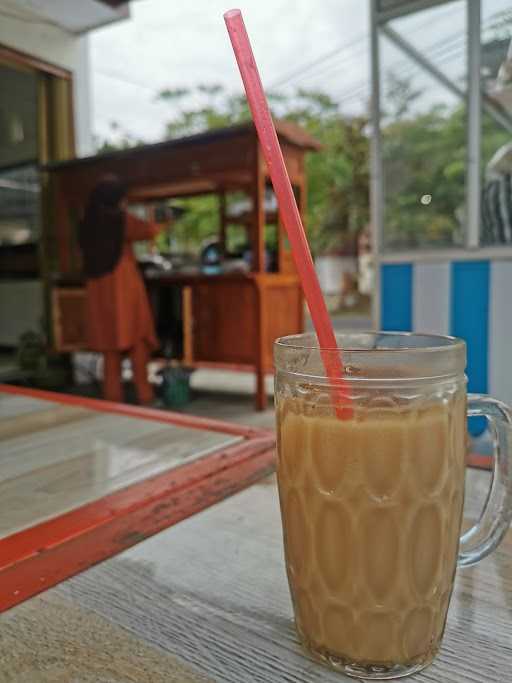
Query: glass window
point(496, 150)
point(18, 116)
point(423, 129)
point(20, 205)
point(19, 177)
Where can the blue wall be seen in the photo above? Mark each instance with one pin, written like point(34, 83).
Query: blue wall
point(396, 297)
point(469, 304)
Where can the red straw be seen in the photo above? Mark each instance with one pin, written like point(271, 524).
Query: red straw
point(286, 200)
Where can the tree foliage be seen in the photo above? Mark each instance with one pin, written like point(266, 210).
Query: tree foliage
point(424, 162)
point(424, 168)
point(338, 176)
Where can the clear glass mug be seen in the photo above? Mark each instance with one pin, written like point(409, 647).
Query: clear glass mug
point(372, 499)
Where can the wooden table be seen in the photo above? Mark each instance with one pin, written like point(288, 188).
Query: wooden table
point(207, 600)
point(82, 479)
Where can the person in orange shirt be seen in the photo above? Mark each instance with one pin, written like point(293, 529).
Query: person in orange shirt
point(119, 318)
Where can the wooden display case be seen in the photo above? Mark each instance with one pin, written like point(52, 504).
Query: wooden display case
point(228, 319)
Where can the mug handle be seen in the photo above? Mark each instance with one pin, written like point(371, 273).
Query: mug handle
point(496, 516)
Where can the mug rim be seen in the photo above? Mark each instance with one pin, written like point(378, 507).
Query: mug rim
point(448, 342)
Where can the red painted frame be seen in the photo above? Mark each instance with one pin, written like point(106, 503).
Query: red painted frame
point(37, 558)
point(168, 417)
point(480, 462)
point(40, 557)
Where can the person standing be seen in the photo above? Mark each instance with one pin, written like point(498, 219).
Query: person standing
point(119, 319)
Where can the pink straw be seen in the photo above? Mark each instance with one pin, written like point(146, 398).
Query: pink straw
point(286, 201)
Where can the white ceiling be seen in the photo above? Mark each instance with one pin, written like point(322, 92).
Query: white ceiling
point(72, 16)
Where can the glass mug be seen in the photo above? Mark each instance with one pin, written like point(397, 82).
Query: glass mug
point(372, 499)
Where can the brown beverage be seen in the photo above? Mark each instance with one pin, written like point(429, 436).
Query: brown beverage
point(371, 510)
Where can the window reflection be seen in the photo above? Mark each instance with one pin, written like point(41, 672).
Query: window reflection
point(19, 177)
point(496, 75)
point(423, 130)
point(19, 205)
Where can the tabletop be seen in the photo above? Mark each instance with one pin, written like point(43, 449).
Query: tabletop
point(82, 479)
point(208, 600)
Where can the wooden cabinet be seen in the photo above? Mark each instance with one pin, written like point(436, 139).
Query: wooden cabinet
point(227, 320)
point(68, 318)
point(224, 322)
point(283, 313)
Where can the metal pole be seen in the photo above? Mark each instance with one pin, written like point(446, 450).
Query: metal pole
point(376, 189)
point(418, 57)
point(432, 69)
point(474, 130)
point(405, 8)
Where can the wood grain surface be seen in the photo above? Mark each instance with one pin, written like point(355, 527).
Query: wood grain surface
point(88, 650)
point(211, 591)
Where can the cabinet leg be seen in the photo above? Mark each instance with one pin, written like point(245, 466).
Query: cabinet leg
point(261, 394)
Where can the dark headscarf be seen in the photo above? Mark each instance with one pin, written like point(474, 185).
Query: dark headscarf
point(101, 233)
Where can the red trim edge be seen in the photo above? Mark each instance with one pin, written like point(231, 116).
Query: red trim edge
point(166, 416)
point(46, 554)
point(481, 462)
